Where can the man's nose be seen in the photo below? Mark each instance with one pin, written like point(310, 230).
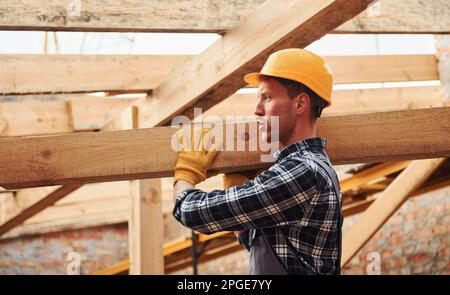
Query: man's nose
point(259, 110)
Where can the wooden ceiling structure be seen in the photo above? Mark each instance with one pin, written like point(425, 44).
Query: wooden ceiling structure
point(58, 142)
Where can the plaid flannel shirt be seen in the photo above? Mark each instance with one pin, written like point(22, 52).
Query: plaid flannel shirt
point(293, 204)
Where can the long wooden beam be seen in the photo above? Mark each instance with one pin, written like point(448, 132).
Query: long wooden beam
point(407, 16)
point(203, 16)
point(386, 205)
point(23, 74)
point(217, 73)
point(91, 114)
point(346, 102)
point(67, 115)
point(44, 201)
point(147, 153)
point(34, 118)
point(88, 113)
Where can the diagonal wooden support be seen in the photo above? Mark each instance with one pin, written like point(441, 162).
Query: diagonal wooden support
point(386, 205)
point(372, 173)
point(147, 153)
point(360, 206)
point(37, 207)
point(217, 73)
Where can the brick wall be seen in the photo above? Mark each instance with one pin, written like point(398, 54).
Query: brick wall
point(415, 240)
point(98, 247)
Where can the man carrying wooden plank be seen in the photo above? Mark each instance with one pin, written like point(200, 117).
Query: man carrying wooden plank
point(289, 217)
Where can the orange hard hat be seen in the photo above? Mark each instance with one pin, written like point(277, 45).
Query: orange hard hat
point(298, 65)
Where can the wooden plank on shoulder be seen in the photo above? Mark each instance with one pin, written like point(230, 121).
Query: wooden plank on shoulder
point(148, 153)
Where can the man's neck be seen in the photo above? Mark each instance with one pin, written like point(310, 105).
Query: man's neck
point(301, 132)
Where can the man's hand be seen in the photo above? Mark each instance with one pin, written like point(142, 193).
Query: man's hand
point(195, 160)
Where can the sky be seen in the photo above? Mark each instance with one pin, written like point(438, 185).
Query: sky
point(23, 42)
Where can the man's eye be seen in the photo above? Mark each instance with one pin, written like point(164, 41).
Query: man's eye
point(267, 99)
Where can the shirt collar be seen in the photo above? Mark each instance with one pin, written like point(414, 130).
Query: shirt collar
point(315, 143)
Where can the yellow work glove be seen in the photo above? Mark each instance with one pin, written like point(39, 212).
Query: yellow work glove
point(195, 160)
point(233, 179)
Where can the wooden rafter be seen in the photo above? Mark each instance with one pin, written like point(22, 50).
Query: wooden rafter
point(202, 16)
point(22, 74)
point(359, 206)
point(88, 113)
point(371, 174)
point(218, 72)
point(91, 205)
point(385, 205)
point(37, 207)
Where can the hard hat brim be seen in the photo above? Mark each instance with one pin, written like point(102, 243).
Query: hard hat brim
point(252, 79)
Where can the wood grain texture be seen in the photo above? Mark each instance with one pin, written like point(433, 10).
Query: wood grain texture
point(22, 74)
point(34, 118)
point(346, 102)
point(92, 113)
point(146, 222)
point(386, 205)
point(99, 113)
point(383, 68)
point(392, 16)
point(147, 153)
point(51, 195)
point(406, 16)
point(146, 227)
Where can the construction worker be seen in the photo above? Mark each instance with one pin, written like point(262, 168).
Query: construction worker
point(289, 217)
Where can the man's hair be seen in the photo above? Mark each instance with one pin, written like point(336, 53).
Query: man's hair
point(294, 88)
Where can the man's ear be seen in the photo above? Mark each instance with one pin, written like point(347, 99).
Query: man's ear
point(302, 103)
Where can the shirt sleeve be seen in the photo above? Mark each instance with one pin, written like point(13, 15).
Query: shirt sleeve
point(279, 196)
